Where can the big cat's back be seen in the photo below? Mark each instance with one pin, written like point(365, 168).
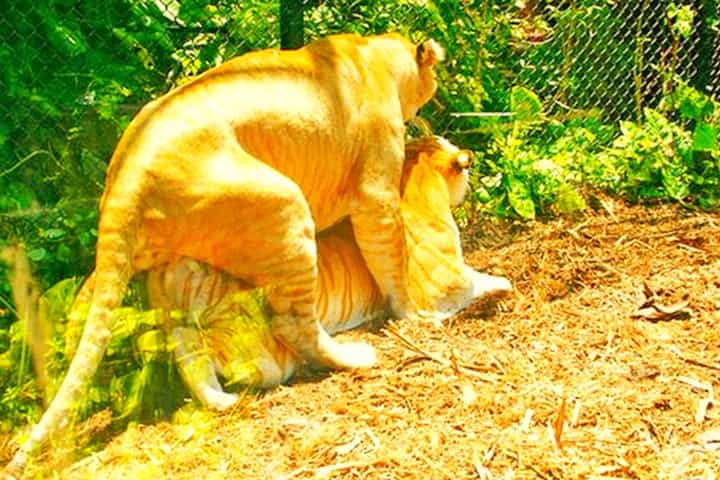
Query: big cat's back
point(251, 85)
point(221, 95)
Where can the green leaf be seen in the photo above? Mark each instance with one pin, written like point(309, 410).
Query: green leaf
point(569, 200)
point(704, 137)
point(675, 182)
point(525, 104)
point(60, 298)
point(16, 195)
point(54, 233)
point(692, 104)
point(37, 255)
point(151, 344)
point(683, 19)
point(520, 198)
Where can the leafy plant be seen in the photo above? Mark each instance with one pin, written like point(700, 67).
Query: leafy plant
point(519, 177)
point(137, 382)
point(650, 160)
point(665, 159)
point(524, 175)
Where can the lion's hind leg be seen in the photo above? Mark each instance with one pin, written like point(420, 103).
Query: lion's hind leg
point(255, 224)
point(292, 298)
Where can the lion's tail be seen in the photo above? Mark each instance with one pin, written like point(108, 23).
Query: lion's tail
point(112, 273)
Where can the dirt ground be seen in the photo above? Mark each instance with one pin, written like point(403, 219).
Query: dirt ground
point(602, 364)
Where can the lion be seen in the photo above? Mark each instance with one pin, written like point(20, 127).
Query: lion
point(241, 167)
point(209, 342)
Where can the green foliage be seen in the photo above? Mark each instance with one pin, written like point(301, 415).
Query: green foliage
point(73, 74)
point(521, 177)
point(658, 159)
point(137, 381)
point(670, 159)
point(19, 396)
point(681, 19)
point(649, 159)
point(75, 71)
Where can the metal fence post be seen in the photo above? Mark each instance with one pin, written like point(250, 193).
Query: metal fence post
point(706, 40)
point(291, 23)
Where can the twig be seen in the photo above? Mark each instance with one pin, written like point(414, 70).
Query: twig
point(697, 384)
point(23, 160)
point(654, 311)
point(556, 426)
point(691, 249)
point(481, 466)
point(468, 368)
point(324, 472)
point(574, 231)
point(697, 363)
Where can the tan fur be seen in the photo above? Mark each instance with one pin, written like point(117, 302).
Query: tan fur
point(435, 172)
point(241, 167)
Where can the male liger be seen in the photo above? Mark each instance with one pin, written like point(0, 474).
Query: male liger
point(240, 169)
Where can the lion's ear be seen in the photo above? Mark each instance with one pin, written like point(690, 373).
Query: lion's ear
point(463, 160)
point(429, 53)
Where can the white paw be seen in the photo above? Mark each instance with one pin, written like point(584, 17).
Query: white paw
point(325, 351)
point(220, 401)
point(358, 355)
point(489, 287)
point(353, 355)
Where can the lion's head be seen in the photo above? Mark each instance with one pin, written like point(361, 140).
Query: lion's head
point(412, 66)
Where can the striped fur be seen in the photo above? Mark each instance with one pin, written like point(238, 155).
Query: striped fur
point(226, 330)
point(240, 167)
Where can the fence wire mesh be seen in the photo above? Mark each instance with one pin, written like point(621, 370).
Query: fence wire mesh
point(75, 71)
point(618, 56)
point(714, 82)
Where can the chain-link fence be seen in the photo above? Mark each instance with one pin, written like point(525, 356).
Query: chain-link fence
point(618, 56)
point(73, 72)
point(714, 81)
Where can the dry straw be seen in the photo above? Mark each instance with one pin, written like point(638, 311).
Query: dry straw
point(581, 373)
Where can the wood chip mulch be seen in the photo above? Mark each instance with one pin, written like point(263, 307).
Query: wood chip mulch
point(603, 363)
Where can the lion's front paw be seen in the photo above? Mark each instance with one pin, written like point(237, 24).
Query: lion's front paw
point(489, 288)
